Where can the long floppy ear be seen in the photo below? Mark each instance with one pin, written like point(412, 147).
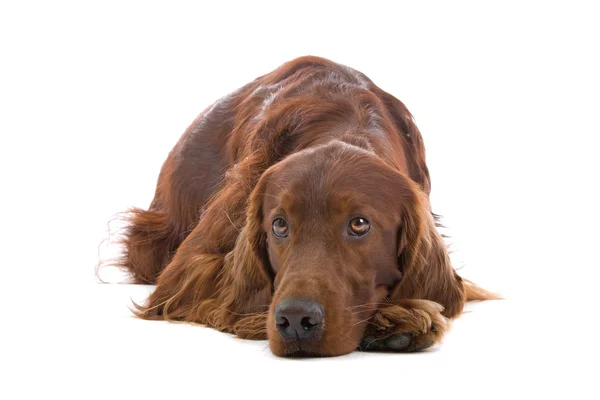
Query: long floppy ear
point(217, 277)
point(257, 237)
point(248, 284)
point(245, 289)
point(424, 261)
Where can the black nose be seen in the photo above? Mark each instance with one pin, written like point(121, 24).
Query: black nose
point(298, 318)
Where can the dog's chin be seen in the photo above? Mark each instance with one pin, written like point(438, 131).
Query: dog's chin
point(308, 350)
point(303, 352)
point(297, 350)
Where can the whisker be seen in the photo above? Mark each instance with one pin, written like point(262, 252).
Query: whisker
point(361, 321)
point(366, 305)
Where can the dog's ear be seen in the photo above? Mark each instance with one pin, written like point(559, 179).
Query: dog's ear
point(256, 235)
point(422, 254)
point(229, 290)
point(245, 289)
point(423, 259)
point(246, 286)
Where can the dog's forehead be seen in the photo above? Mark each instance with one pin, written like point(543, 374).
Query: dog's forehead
point(332, 177)
point(323, 167)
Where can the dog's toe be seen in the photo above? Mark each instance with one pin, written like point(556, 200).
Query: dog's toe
point(369, 343)
point(423, 346)
point(398, 342)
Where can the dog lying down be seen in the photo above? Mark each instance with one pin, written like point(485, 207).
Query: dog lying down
point(296, 209)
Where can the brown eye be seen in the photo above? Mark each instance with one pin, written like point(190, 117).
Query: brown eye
point(280, 228)
point(358, 226)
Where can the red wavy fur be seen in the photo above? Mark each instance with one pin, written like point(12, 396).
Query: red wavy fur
point(317, 144)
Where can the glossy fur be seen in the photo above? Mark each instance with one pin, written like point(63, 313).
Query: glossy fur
point(317, 143)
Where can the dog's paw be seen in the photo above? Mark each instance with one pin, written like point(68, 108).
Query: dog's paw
point(406, 326)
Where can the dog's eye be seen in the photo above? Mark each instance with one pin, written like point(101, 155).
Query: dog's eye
point(280, 228)
point(358, 226)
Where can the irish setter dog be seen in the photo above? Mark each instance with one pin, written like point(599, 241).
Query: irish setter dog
point(296, 209)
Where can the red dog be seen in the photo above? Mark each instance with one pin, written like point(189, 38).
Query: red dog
point(297, 209)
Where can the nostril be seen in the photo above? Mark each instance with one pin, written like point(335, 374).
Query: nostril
point(308, 323)
point(282, 322)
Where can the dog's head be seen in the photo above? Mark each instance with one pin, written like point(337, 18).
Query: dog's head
point(334, 228)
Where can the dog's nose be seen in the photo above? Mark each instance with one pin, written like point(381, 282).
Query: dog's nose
point(298, 318)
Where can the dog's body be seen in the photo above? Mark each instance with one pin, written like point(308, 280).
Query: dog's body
point(297, 209)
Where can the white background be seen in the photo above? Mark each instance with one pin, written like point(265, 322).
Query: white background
point(93, 96)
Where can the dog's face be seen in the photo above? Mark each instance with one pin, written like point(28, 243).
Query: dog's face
point(330, 220)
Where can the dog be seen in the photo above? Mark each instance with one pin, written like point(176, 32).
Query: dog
point(296, 209)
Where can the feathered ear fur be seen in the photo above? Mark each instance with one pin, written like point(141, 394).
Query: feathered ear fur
point(227, 288)
point(423, 255)
point(257, 237)
point(424, 261)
